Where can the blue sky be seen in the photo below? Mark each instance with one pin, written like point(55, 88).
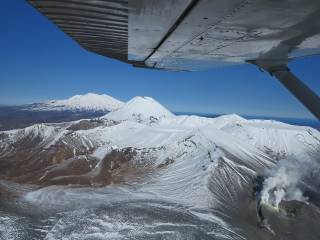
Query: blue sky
point(39, 62)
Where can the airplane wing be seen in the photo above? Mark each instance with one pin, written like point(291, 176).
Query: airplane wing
point(187, 35)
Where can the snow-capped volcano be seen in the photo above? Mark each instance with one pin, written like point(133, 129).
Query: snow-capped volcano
point(86, 102)
point(141, 109)
point(85, 106)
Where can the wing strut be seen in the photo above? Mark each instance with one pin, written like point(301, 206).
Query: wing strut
point(301, 91)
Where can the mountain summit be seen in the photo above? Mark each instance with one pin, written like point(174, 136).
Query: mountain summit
point(140, 108)
point(86, 102)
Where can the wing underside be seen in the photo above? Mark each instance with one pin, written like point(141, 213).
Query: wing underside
point(189, 34)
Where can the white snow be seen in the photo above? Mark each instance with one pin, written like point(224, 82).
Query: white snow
point(89, 101)
point(140, 109)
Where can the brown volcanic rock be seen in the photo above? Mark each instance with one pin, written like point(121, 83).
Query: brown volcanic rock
point(71, 171)
point(28, 158)
point(27, 164)
point(51, 154)
point(85, 125)
point(90, 124)
point(112, 167)
point(116, 167)
point(62, 164)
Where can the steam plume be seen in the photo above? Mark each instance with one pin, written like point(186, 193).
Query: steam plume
point(284, 181)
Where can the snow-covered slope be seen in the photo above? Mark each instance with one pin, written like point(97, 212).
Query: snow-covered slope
point(87, 102)
point(140, 109)
point(194, 122)
point(276, 138)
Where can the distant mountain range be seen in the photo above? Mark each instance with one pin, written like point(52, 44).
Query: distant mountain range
point(87, 102)
point(90, 106)
point(77, 107)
